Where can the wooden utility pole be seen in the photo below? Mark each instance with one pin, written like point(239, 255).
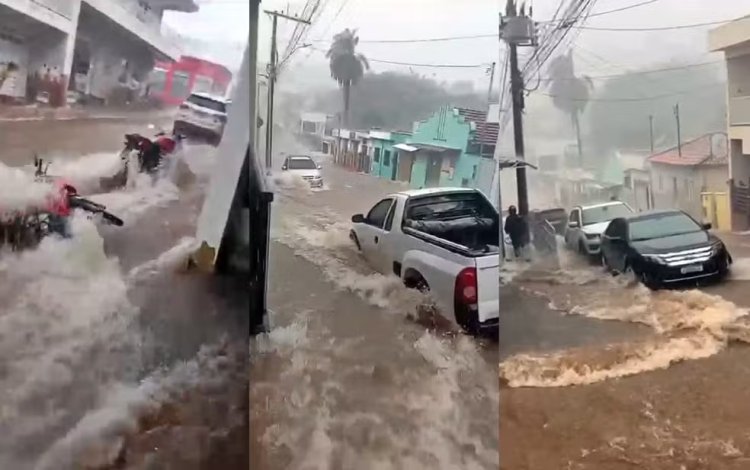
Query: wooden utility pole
point(272, 70)
point(679, 137)
point(492, 82)
point(518, 30)
point(651, 132)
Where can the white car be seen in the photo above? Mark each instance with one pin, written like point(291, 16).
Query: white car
point(305, 167)
point(202, 115)
point(440, 240)
point(586, 224)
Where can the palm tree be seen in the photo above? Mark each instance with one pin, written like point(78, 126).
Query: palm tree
point(570, 94)
point(347, 66)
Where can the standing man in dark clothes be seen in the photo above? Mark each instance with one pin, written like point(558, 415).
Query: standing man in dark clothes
point(515, 227)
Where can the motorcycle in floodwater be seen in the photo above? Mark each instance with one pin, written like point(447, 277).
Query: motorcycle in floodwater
point(24, 229)
point(151, 157)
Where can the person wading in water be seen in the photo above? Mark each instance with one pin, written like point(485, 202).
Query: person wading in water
point(515, 227)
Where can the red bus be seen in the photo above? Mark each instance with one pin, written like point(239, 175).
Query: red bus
point(172, 82)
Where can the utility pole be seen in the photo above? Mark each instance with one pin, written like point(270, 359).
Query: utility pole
point(492, 82)
point(518, 31)
point(272, 75)
point(679, 138)
point(651, 131)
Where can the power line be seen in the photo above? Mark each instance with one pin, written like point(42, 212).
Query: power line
point(646, 98)
point(658, 28)
point(643, 72)
point(447, 66)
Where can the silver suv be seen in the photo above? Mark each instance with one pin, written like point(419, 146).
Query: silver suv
point(586, 224)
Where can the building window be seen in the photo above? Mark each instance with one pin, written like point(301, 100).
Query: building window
point(308, 127)
point(180, 85)
point(488, 150)
point(474, 148)
point(387, 158)
point(474, 172)
point(202, 85)
point(377, 154)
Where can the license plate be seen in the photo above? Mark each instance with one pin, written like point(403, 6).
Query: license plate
point(693, 268)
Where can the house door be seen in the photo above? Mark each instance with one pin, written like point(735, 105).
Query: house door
point(434, 166)
point(405, 164)
point(394, 165)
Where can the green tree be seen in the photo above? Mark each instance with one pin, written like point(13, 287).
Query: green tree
point(570, 94)
point(618, 116)
point(395, 100)
point(347, 66)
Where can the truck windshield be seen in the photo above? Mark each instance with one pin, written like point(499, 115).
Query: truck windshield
point(449, 206)
point(596, 215)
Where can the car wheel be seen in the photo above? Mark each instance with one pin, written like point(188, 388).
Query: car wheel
point(582, 248)
point(605, 264)
point(647, 280)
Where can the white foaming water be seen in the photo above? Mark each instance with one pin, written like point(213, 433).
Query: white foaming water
point(18, 190)
point(171, 259)
point(97, 439)
point(60, 302)
point(686, 325)
point(143, 195)
point(588, 366)
point(85, 171)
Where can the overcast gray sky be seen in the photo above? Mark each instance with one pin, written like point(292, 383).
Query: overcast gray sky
point(227, 20)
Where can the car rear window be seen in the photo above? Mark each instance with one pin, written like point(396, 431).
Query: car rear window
point(208, 103)
point(449, 206)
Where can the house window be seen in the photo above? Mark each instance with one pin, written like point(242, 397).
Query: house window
point(387, 158)
point(377, 154)
point(473, 148)
point(488, 150)
point(308, 127)
point(180, 85)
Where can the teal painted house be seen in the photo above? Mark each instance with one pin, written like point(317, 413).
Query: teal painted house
point(453, 147)
point(384, 156)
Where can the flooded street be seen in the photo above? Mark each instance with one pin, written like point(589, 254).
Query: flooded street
point(599, 372)
point(112, 357)
point(369, 383)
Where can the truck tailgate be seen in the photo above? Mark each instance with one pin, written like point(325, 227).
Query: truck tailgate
point(488, 286)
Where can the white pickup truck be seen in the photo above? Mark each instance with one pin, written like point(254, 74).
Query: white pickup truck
point(441, 240)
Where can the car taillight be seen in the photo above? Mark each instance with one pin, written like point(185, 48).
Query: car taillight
point(466, 286)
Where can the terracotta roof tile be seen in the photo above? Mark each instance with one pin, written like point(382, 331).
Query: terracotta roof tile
point(694, 152)
point(486, 132)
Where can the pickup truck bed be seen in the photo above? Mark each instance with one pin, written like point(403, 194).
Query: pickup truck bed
point(443, 240)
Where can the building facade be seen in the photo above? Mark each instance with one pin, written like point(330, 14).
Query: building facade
point(384, 155)
point(94, 48)
point(733, 39)
point(453, 147)
point(172, 82)
point(683, 177)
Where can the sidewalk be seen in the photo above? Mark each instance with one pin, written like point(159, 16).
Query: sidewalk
point(37, 113)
